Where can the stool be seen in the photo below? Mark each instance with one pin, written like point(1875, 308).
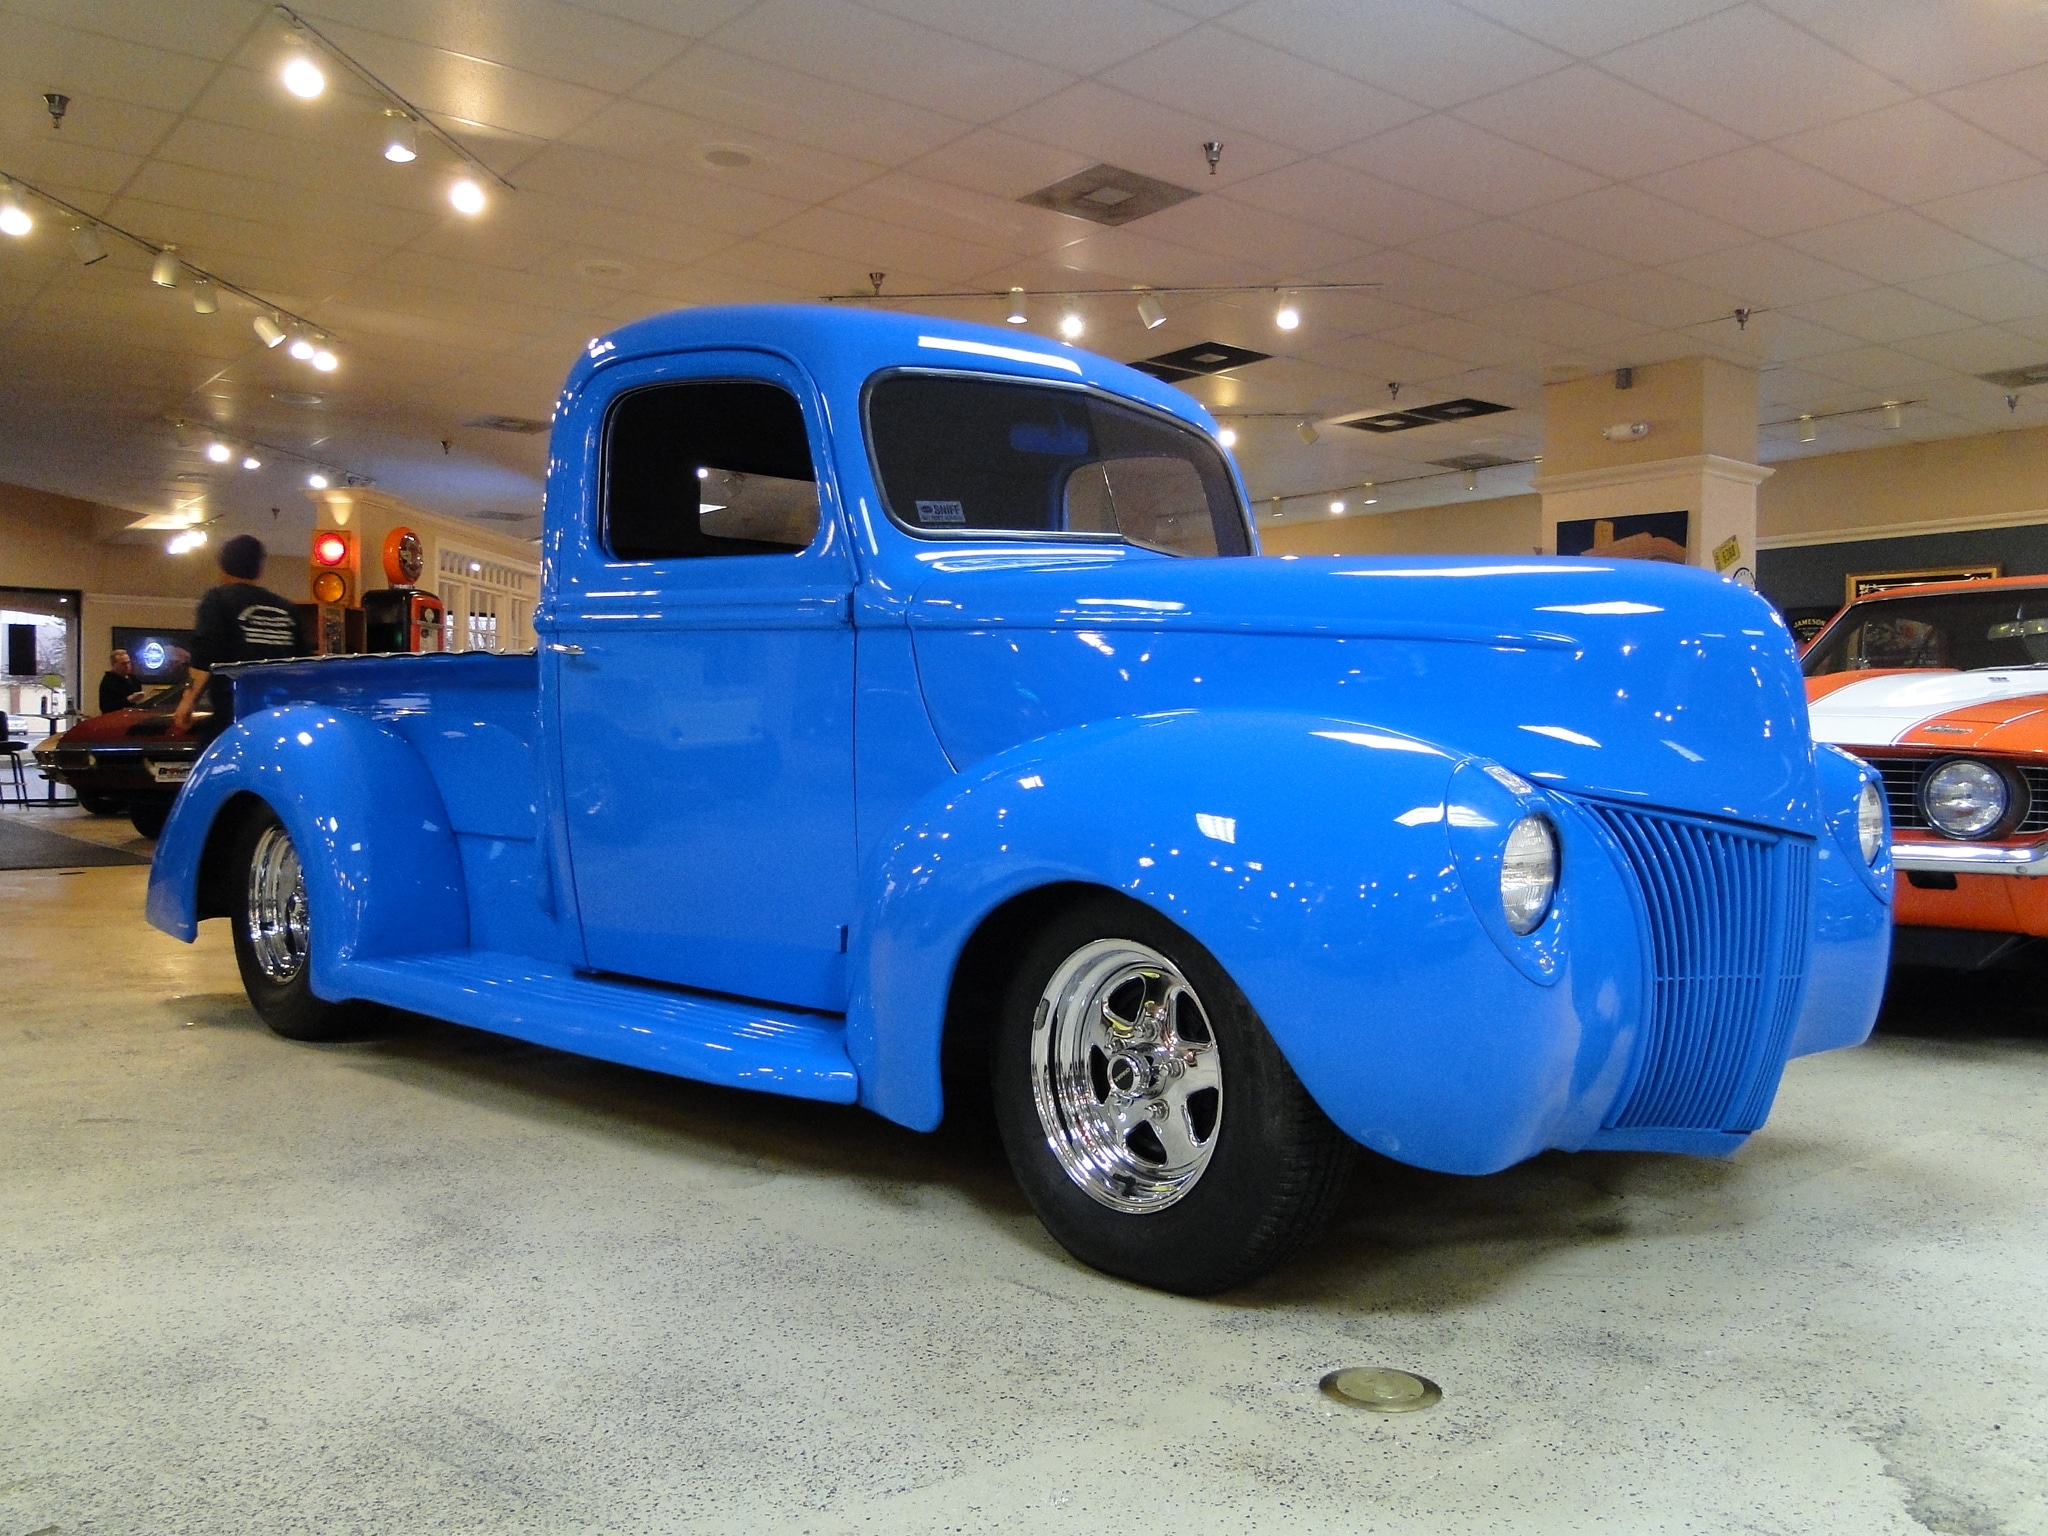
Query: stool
point(10, 761)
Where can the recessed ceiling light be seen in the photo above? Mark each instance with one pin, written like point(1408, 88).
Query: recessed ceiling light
point(727, 157)
point(1072, 325)
point(302, 349)
point(317, 481)
point(1227, 436)
point(14, 219)
point(218, 452)
point(326, 361)
point(603, 267)
point(295, 397)
point(466, 197)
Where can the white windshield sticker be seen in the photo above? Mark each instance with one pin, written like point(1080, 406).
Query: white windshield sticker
point(933, 512)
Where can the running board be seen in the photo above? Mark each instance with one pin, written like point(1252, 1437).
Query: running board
point(714, 1040)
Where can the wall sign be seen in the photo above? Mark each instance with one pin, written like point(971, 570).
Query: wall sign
point(1883, 581)
point(1644, 536)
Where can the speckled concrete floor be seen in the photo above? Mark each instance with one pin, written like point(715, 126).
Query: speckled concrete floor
point(450, 1283)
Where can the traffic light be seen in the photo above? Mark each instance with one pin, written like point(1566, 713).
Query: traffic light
point(336, 568)
point(336, 571)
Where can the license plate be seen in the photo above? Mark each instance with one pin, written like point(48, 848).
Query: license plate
point(170, 773)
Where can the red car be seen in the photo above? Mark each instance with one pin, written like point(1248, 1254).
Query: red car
point(128, 761)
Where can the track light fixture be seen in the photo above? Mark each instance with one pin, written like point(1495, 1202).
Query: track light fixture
point(1470, 480)
point(1307, 432)
point(401, 145)
point(302, 348)
point(1018, 314)
point(1894, 416)
point(1152, 312)
point(325, 361)
point(317, 481)
point(1808, 430)
point(268, 331)
point(1072, 326)
point(166, 269)
point(14, 219)
point(87, 245)
point(302, 77)
point(1368, 499)
point(466, 197)
point(250, 461)
point(1227, 436)
point(220, 453)
point(1337, 508)
point(204, 300)
point(1287, 317)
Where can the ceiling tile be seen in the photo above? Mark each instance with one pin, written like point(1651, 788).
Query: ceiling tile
point(551, 41)
point(1928, 46)
point(2009, 106)
point(1894, 247)
point(1763, 191)
point(1587, 28)
point(1119, 129)
point(651, 135)
point(1410, 279)
point(1478, 345)
point(1556, 321)
point(1000, 223)
point(749, 96)
point(1653, 298)
point(1984, 349)
point(1601, 123)
point(1429, 51)
point(78, 174)
point(2011, 290)
point(1769, 274)
point(1911, 153)
point(1376, 360)
point(1080, 36)
point(1880, 369)
point(869, 245)
point(841, 41)
point(602, 182)
point(1520, 255)
point(1000, 164)
point(1774, 336)
point(475, 90)
point(686, 18)
point(1287, 248)
point(1242, 84)
point(1108, 257)
point(2012, 218)
point(1449, 158)
point(1321, 192)
point(1882, 315)
point(1631, 224)
point(1752, 72)
point(37, 55)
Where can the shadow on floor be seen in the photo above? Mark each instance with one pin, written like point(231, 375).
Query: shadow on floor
point(1966, 1006)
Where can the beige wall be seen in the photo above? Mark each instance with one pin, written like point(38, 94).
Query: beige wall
point(54, 541)
point(1694, 405)
point(1505, 525)
point(2000, 476)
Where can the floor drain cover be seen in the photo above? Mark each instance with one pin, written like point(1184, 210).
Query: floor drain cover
point(1382, 1390)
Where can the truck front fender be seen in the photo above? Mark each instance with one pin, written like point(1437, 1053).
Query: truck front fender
point(382, 873)
point(1311, 859)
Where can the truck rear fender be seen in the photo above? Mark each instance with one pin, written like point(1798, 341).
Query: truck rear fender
point(1309, 854)
point(382, 874)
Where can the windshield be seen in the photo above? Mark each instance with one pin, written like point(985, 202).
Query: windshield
point(961, 456)
point(1963, 630)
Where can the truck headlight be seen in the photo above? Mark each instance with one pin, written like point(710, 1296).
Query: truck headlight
point(1870, 821)
point(1528, 873)
point(1964, 798)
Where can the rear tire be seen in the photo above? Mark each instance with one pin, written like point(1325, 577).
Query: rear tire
point(148, 817)
point(1153, 1124)
point(273, 938)
point(101, 805)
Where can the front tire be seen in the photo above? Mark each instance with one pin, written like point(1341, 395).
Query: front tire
point(147, 817)
point(274, 935)
point(1153, 1124)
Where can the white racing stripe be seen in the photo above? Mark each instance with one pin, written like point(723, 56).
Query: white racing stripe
point(1879, 710)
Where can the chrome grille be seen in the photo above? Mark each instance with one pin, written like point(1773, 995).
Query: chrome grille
point(1728, 916)
point(1902, 777)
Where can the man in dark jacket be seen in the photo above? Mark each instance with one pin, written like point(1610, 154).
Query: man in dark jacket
point(239, 620)
point(118, 684)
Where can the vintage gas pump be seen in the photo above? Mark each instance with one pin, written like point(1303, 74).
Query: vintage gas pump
point(402, 618)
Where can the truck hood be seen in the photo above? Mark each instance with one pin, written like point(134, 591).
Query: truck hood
point(1945, 710)
point(1644, 682)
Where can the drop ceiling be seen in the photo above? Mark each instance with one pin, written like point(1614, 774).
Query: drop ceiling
point(1539, 188)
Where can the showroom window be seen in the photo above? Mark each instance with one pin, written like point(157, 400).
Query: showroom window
point(969, 455)
point(708, 468)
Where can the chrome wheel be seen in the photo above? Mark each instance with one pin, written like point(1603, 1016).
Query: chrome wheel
point(277, 907)
point(1125, 1075)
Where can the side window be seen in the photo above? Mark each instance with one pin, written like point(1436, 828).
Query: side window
point(720, 467)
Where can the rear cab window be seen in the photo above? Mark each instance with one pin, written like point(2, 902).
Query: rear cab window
point(703, 468)
point(1967, 631)
point(962, 456)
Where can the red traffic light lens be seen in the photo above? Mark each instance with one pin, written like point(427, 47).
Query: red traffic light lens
point(330, 549)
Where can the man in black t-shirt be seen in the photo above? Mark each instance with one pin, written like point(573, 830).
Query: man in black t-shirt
point(238, 620)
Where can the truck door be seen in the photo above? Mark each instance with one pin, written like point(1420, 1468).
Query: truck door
point(699, 649)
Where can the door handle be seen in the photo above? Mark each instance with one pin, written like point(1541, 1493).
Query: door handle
point(564, 650)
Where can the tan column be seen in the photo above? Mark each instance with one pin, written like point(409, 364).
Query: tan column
point(1681, 438)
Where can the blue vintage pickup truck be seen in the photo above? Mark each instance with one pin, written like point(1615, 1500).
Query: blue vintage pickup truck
point(914, 721)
